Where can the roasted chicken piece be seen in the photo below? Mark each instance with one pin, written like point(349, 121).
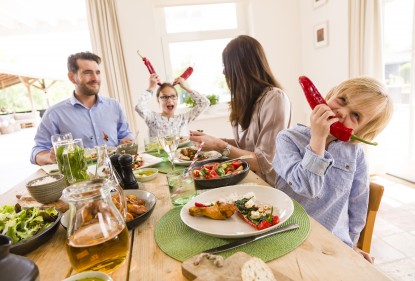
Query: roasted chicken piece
point(219, 211)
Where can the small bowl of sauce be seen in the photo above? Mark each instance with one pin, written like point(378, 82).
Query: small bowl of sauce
point(145, 174)
point(89, 276)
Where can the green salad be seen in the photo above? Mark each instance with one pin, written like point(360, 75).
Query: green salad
point(23, 224)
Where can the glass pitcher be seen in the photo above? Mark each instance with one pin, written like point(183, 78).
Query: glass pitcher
point(97, 237)
point(70, 155)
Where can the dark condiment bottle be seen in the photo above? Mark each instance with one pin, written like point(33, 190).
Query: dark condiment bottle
point(127, 176)
point(116, 165)
point(14, 267)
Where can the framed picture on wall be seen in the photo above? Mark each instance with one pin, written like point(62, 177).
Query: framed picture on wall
point(318, 3)
point(320, 35)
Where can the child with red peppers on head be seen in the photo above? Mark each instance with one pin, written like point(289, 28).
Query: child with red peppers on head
point(167, 99)
point(329, 177)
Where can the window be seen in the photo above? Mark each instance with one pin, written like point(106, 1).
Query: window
point(195, 35)
point(400, 79)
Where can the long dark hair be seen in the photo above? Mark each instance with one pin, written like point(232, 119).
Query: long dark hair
point(248, 75)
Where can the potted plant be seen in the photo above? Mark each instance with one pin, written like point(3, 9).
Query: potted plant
point(214, 99)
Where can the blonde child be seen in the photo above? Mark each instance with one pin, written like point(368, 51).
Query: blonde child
point(328, 177)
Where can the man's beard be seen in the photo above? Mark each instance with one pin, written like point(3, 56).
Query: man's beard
point(88, 91)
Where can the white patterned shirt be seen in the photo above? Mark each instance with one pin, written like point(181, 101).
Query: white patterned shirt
point(156, 122)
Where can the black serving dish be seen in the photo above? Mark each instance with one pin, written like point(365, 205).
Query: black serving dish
point(219, 182)
point(25, 246)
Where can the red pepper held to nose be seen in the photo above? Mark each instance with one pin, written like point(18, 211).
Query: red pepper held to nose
point(337, 129)
point(149, 65)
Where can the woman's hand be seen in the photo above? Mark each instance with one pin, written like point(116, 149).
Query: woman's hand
point(321, 119)
point(210, 143)
point(152, 81)
point(183, 84)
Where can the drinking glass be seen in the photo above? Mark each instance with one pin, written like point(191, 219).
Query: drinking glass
point(169, 141)
point(151, 144)
point(61, 137)
point(181, 187)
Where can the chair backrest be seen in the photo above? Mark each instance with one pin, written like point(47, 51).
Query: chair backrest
point(375, 196)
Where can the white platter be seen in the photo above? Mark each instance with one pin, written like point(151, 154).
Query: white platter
point(149, 160)
point(235, 227)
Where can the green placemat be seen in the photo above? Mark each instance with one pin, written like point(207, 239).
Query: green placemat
point(165, 166)
point(181, 242)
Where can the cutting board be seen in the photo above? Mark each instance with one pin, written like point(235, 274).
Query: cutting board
point(231, 270)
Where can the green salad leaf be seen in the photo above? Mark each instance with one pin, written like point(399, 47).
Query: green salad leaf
point(26, 223)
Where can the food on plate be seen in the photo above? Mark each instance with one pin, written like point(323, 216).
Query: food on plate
point(256, 269)
point(21, 224)
point(217, 211)
point(189, 153)
point(183, 140)
point(258, 216)
point(218, 170)
point(137, 161)
point(135, 206)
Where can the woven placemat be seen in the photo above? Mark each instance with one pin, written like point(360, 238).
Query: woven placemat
point(181, 242)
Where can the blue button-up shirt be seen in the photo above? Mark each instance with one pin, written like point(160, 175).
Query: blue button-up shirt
point(333, 189)
point(88, 124)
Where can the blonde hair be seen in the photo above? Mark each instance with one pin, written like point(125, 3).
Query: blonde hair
point(366, 95)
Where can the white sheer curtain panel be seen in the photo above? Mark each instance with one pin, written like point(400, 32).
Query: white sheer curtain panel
point(365, 38)
point(365, 54)
point(106, 42)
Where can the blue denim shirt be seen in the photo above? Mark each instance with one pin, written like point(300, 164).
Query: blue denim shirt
point(85, 123)
point(333, 189)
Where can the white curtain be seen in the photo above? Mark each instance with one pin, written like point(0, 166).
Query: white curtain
point(365, 55)
point(106, 42)
point(365, 38)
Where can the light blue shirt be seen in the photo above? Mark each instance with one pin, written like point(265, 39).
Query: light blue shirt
point(333, 189)
point(88, 124)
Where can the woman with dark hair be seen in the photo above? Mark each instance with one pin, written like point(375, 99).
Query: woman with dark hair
point(167, 99)
point(259, 109)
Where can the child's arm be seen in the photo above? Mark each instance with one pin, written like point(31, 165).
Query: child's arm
point(298, 165)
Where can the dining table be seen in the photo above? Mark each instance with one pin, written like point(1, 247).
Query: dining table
point(322, 256)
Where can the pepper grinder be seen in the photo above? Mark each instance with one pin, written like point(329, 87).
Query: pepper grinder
point(117, 168)
point(127, 176)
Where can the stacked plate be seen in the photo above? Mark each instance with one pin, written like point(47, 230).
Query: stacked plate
point(46, 189)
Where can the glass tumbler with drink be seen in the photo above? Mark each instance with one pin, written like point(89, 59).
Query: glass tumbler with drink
point(97, 237)
point(181, 187)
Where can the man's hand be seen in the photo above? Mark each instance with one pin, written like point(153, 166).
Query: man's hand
point(46, 157)
point(126, 140)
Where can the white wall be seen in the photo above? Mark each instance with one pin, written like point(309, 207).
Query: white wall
point(284, 28)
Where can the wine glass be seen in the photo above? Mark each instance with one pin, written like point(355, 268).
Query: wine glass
point(169, 140)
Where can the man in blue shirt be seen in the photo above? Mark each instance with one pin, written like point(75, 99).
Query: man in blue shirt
point(85, 114)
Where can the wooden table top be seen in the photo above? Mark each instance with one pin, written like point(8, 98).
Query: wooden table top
point(322, 256)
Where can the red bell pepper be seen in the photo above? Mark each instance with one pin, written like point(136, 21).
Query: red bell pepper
point(148, 65)
point(337, 129)
point(262, 225)
point(197, 204)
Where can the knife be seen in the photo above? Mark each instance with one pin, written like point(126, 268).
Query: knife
point(250, 239)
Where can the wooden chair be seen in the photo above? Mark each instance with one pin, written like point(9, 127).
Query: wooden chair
point(375, 196)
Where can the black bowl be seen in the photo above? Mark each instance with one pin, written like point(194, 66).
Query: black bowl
point(25, 246)
point(218, 182)
point(150, 200)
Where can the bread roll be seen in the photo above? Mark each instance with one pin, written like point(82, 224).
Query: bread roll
point(256, 270)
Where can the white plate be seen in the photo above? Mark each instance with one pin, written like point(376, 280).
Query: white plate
point(149, 160)
point(210, 155)
point(235, 227)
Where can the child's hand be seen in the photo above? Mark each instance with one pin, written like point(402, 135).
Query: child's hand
point(183, 84)
point(321, 119)
point(153, 80)
point(367, 256)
